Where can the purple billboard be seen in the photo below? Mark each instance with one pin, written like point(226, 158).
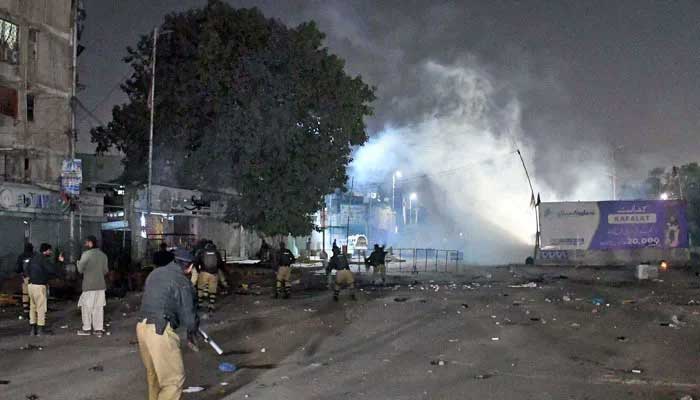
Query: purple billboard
point(608, 225)
point(635, 224)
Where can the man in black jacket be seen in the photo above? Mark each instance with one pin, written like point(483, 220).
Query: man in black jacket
point(378, 262)
point(21, 268)
point(208, 262)
point(344, 276)
point(168, 301)
point(162, 257)
point(282, 261)
point(40, 270)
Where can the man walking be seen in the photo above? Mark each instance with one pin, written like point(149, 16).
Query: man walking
point(162, 257)
point(377, 260)
point(208, 262)
point(344, 276)
point(168, 302)
point(94, 266)
point(283, 262)
point(21, 268)
point(39, 271)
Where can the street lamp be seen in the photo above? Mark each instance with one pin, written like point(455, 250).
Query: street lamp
point(412, 197)
point(396, 175)
point(152, 106)
point(613, 172)
point(664, 196)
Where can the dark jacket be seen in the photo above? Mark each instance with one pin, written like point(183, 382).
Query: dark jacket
point(286, 258)
point(338, 262)
point(208, 261)
point(377, 257)
point(41, 269)
point(169, 297)
point(23, 262)
point(161, 258)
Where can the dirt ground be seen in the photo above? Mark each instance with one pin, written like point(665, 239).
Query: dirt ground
point(426, 336)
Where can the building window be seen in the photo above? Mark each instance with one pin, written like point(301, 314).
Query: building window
point(9, 45)
point(30, 107)
point(8, 102)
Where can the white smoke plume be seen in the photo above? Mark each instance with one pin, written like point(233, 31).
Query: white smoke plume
point(461, 158)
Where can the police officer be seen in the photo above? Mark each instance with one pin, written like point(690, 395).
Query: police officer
point(283, 261)
point(21, 268)
point(208, 263)
point(344, 276)
point(168, 302)
point(378, 262)
point(40, 270)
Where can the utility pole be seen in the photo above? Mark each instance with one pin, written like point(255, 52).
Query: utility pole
point(73, 134)
point(537, 217)
point(152, 106)
point(613, 172)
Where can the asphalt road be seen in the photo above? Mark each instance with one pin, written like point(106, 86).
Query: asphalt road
point(426, 340)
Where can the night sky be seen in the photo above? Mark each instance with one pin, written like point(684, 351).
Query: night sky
point(587, 74)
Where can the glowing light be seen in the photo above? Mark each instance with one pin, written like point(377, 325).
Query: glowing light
point(398, 174)
point(663, 266)
point(414, 196)
point(664, 196)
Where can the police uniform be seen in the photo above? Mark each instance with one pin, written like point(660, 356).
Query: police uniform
point(344, 276)
point(283, 262)
point(208, 263)
point(168, 302)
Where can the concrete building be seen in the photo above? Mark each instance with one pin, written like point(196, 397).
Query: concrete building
point(36, 50)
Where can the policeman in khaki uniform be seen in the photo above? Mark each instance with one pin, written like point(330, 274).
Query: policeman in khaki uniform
point(22, 267)
point(168, 301)
point(208, 263)
point(344, 276)
point(283, 260)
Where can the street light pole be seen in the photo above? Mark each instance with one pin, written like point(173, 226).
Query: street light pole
point(613, 174)
point(152, 106)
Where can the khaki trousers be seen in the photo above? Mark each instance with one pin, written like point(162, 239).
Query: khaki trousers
point(25, 296)
point(162, 358)
point(284, 274)
point(344, 277)
point(206, 287)
point(381, 270)
point(37, 304)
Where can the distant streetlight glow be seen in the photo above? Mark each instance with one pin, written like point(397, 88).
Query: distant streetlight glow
point(664, 196)
point(414, 196)
point(398, 174)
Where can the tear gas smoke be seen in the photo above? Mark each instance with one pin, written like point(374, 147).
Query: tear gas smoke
point(461, 158)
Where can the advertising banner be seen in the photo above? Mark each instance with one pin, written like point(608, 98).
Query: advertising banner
point(71, 177)
point(609, 225)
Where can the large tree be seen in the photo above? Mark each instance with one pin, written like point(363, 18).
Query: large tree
point(680, 183)
point(243, 102)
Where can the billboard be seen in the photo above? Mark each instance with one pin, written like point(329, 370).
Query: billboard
point(608, 225)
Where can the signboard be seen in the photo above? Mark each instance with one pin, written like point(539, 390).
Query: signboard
point(71, 177)
point(609, 225)
point(30, 199)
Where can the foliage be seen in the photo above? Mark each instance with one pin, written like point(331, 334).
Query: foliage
point(244, 103)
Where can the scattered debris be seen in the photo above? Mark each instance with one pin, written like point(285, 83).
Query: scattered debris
point(227, 367)
point(621, 339)
point(629, 301)
point(483, 376)
point(575, 325)
point(4, 382)
point(534, 319)
point(32, 397)
point(686, 397)
point(636, 371)
point(438, 362)
point(263, 350)
point(31, 347)
point(465, 305)
point(193, 389)
point(400, 299)
point(495, 339)
point(598, 301)
point(97, 368)
point(524, 285)
point(566, 298)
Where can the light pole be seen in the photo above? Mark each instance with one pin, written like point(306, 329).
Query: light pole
point(613, 172)
point(152, 104)
point(412, 197)
point(396, 175)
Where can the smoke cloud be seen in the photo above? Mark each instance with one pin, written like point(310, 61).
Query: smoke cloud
point(460, 158)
